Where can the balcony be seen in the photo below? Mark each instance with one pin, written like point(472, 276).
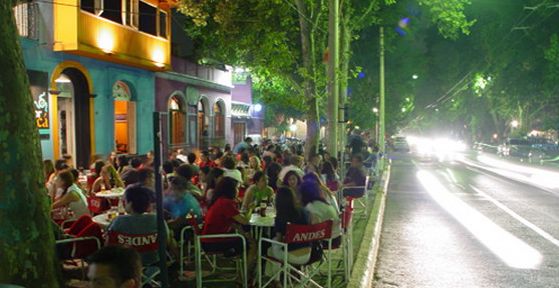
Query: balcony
point(133, 37)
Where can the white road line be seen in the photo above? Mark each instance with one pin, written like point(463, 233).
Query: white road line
point(527, 223)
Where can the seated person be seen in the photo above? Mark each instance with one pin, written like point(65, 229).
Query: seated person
point(115, 267)
point(356, 176)
point(137, 222)
point(288, 211)
point(107, 179)
point(257, 192)
point(222, 216)
point(179, 202)
point(72, 196)
point(319, 209)
point(325, 192)
point(188, 171)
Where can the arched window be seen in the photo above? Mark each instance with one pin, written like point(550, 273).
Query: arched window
point(177, 120)
point(219, 119)
point(124, 119)
point(202, 119)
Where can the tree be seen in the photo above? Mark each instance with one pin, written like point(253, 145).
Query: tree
point(26, 237)
point(410, 28)
point(277, 40)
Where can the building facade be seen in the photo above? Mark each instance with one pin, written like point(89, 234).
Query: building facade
point(195, 102)
point(247, 118)
point(100, 68)
point(92, 66)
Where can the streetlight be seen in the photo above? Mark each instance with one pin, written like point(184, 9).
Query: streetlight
point(414, 76)
point(513, 124)
point(375, 110)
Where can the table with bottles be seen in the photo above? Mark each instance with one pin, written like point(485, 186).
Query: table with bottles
point(262, 220)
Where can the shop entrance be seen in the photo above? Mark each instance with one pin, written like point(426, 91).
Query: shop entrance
point(74, 133)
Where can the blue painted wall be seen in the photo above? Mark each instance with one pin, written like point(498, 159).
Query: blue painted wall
point(39, 56)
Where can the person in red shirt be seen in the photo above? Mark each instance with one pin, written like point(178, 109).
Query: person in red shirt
point(222, 217)
point(205, 160)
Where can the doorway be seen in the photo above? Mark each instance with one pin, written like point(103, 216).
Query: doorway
point(73, 117)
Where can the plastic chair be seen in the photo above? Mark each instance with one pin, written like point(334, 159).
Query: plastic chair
point(81, 246)
point(296, 233)
point(199, 252)
point(362, 199)
point(97, 205)
point(143, 243)
point(78, 225)
point(346, 244)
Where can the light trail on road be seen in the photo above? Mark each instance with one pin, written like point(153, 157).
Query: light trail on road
point(522, 220)
point(513, 251)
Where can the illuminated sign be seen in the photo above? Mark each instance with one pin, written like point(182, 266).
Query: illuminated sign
point(42, 111)
point(38, 86)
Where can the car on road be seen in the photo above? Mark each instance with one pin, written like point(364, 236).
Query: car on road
point(401, 144)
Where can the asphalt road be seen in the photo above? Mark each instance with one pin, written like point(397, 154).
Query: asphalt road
point(453, 225)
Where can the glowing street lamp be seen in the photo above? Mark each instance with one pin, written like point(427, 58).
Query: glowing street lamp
point(514, 124)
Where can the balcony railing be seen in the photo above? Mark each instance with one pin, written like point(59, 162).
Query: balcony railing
point(27, 15)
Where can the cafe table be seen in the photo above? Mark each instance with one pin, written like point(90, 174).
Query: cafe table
point(259, 223)
point(112, 194)
point(103, 219)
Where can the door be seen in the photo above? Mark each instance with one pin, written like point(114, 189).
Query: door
point(239, 132)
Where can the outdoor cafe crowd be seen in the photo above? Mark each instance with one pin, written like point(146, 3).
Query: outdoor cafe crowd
point(216, 192)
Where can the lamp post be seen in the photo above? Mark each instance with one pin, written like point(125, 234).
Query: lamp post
point(381, 117)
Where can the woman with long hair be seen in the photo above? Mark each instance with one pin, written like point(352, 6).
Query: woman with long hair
point(257, 192)
point(72, 196)
point(319, 209)
point(288, 211)
point(48, 170)
point(108, 178)
point(222, 217)
point(254, 165)
point(332, 178)
point(212, 179)
point(325, 192)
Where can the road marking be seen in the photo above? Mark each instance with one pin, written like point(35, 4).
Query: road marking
point(509, 248)
point(520, 219)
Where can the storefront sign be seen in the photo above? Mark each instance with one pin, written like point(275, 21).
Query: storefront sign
point(38, 85)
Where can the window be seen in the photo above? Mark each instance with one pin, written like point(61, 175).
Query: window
point(177, 121)
point(148, 21)
point(124, 119)
point(92, 6)
point(112, 10)
point(26, 15)
point(219, 120)
point(162, 24)
point(131, 13)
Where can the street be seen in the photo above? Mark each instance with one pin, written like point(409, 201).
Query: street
point(454, 225)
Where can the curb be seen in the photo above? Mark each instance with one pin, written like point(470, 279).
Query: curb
point(365, 260)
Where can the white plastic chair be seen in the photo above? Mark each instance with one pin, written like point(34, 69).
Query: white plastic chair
point(241, 264)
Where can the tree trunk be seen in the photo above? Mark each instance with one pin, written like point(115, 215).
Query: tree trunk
point(26, 237)
point(311, 143)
